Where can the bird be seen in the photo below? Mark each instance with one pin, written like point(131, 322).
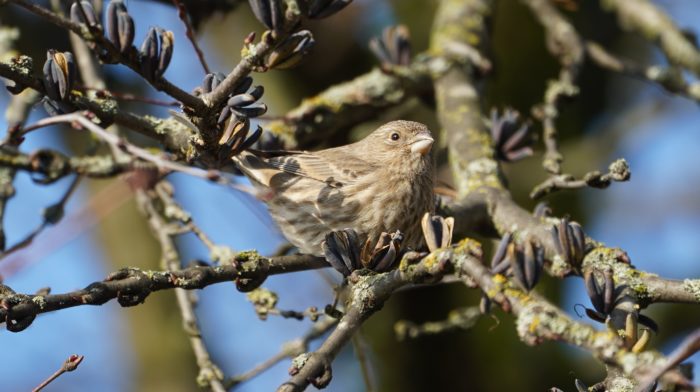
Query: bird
point(381, 183)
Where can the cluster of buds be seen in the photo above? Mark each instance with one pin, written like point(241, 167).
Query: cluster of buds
point(83, 12)
point(290, 51)
point(156, 52)
point(59, 74)
point(120, 26)
point(393, 48)
point(570, 242)
point(342, 250)
point(512, 140)
point(606, 297)
point(235, 116)
point(437, 231)
point(523, 261)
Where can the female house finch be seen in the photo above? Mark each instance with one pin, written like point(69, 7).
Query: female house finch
point(381, 183)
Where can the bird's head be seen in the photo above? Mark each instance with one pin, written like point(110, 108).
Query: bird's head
point(401, 138)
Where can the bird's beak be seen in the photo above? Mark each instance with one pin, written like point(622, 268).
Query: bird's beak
point(422, 144)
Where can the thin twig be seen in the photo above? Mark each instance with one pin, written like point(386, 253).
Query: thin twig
point(289, 349)
point(68, 365)
point(669, 78)
point(209, 373)
point(52, 215)
point(360, 347)
point(617, 171)
point(184, 17)
point(122, 144)
point(689, 346)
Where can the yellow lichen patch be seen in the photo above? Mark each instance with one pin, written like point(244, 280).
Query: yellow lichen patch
point(468, 246)
point(499, 279)
point(534, 324)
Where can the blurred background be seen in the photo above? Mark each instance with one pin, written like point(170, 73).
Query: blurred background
point(655, 217)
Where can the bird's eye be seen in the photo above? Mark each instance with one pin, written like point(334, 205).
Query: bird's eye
point(394, 136)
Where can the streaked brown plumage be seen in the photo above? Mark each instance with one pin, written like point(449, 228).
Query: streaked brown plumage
point(383, 182)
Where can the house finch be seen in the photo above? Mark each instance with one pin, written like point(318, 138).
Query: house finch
point(381, 183)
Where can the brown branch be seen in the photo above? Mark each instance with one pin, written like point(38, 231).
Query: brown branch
point(131, 286)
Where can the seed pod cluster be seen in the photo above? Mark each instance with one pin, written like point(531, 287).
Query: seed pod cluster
point(570, 242)
point(59, 74)
point(318, 9)
point(605, 297)
point(211, 82)
point(156, 52)
point(523, 261)
point(511, 139)
point(83, 12)
point(120, 26)
point(291, 50)
point(342, 250)
point(384, 254)
point(437, 231)
point(234, 118)
point(393, 47)
point(269, 13)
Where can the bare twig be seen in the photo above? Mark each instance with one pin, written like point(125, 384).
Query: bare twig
point(617, 171)
point(184, 17)
point(68, 365)
point(458, 319)
point(669, 78)
point(209, 374)
point(650, 21)
point(289, 349)
point(52, 215)
point(564, 42)
point(138, 152)
point(689, 346)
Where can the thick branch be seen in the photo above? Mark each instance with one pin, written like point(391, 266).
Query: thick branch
point(471, 153)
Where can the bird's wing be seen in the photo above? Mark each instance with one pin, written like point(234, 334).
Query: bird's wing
point(322, 166)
